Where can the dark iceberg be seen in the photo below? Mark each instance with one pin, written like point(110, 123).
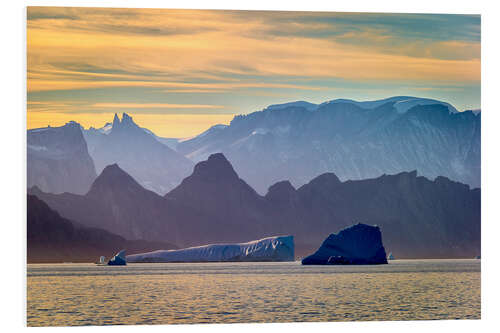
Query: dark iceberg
point(359, 244)
point(118, 259)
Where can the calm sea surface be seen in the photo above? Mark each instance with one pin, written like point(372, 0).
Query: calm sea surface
point(86, 294)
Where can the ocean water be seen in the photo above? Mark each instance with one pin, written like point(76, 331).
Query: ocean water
point(175, 293)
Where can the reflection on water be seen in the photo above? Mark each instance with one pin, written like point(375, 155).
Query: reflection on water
point(86, 294)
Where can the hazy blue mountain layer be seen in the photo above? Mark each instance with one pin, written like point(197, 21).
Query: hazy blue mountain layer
point(355, 140)
point(152, 163)
point(58, 160)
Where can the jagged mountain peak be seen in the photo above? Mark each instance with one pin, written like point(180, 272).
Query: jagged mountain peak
point(126, 118)
point(126, 122)
point(116, 120)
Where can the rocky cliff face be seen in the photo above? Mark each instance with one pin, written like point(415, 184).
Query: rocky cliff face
point(354, 140)
point(58, 160)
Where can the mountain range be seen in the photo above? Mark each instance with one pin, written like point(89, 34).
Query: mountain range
point(296, 168)
point(356, 140)
point(293, 141)
point(418, 217)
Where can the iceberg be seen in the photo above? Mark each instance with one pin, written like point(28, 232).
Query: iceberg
point(118, 260)
point(279, 248)
point(359, 244)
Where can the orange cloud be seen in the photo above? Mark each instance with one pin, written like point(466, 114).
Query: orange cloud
point(217, 43)
point(155, 106)
point(229, 53)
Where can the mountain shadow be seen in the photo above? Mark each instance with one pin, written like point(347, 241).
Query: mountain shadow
point(52, 238)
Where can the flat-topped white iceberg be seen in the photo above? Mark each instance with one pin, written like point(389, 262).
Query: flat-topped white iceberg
point(280, 248)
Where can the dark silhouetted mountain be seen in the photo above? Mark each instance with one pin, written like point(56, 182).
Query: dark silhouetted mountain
point(215, 189)
point(52, 238)
point(139, 152)
point(419, 218)
point(115, 202)
point(58, 160)
point(355, 140)
point(118, 203)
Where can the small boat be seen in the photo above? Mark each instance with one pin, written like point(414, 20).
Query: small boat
point(390, 256)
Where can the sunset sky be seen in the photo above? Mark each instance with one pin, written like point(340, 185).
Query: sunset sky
point(177, 72)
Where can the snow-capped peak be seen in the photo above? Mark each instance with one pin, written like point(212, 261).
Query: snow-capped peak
point(106, 128)
point(401, 103)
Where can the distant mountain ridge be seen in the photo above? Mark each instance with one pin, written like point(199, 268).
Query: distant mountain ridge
point(401, 103)
point(355, 140)
point(153, 163)
point(419, 218)
point(292, 141)
point(58, 160)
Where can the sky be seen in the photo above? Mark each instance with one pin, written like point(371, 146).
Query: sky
point(178, 72)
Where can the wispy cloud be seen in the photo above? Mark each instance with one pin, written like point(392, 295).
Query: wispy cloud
point(155, 106)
